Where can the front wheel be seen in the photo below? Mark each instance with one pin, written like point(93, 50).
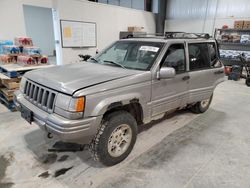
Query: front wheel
point(202, 106)
point(115, 138)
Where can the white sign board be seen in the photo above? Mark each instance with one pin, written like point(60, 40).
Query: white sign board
point(76, 34)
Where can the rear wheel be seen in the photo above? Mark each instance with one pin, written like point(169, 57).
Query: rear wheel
point(202, 106)
point(115, 138)
point(248, 81)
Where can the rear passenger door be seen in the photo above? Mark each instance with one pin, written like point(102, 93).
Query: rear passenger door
point(216, 65)
point(204, 70)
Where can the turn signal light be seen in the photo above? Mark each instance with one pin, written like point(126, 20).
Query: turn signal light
point(80, 104)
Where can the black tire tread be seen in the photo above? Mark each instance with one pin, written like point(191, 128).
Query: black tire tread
point(197, 109)
point(96, 146)
point(248, 81)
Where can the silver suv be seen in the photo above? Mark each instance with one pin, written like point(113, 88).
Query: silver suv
point(102, 101)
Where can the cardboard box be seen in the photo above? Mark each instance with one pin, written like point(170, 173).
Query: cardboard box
point(246, 25)
point(236, 38)
point(135, 29)
point(225, 38)
point(238, 24)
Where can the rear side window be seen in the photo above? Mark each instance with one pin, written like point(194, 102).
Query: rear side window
point(202, 56)
point(199, 57)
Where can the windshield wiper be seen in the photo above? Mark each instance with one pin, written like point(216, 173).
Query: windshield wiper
point(117, 64)
point(95, 60)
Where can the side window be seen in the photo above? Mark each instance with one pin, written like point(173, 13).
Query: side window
point(213, 56)
point(212, 52)
point(199, 56)
point(175, 57)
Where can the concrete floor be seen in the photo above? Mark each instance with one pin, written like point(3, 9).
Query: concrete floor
point(182, 151)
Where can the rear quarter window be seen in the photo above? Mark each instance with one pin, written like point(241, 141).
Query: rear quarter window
point(214, 55)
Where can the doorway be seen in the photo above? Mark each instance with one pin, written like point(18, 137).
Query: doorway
point(39, 26)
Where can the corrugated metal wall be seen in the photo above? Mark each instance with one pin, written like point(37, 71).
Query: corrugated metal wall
point(193, 9)
point(205, 15)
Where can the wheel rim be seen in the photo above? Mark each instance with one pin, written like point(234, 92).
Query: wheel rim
point(205, 103)
point(119, 140)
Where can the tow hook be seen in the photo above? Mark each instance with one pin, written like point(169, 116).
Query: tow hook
point(49, 135)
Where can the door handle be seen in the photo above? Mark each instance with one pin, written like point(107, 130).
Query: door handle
point(186, 78)
point(219, 72)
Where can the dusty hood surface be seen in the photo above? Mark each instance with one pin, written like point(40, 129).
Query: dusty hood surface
point(69, 78)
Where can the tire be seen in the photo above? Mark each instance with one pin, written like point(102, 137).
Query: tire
point(248, 81)
point(202, 106)
point(105, 144)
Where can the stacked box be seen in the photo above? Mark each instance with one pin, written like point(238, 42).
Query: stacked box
point(135, 29)
point(225, 38)
point(32, 51)
point(11, 50)
point(23, 41)
point(26, 60)
point(6, 59)
point(43, 60)
point(236, 38)
point(238, 24)
point(4, 43)
point(23, 52)
point(245, 39)
point(246, 25)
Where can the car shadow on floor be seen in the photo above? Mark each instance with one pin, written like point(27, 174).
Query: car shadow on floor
point(46, 153)
point(39, 144)
point(145, 127)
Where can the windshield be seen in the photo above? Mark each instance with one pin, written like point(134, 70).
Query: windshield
point(130, 55)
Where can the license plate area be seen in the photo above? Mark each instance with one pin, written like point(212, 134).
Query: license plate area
point(27, 114)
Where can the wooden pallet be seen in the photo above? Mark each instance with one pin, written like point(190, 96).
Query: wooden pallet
point(9, 104)
point(7, 93)
point(12, 83)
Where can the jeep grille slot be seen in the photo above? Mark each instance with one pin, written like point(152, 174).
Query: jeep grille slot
point(40, 96)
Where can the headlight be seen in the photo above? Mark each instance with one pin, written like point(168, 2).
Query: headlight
point(22, 84)
point(68, 107)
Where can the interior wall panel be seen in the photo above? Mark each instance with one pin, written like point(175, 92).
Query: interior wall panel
point(205, 15)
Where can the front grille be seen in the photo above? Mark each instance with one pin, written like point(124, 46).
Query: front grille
point(40, 96)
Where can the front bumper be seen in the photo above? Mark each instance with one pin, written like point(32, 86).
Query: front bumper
point(78, 131)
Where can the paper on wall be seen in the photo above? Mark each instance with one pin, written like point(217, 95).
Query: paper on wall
point(67, 32)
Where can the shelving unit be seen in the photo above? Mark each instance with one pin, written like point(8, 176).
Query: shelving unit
point(235, 47)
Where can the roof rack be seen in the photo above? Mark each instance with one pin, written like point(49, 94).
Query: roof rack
point(146, 35)
point(186, 35)
point(171, 35)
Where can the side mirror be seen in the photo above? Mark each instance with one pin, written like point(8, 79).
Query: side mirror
point(166, 72)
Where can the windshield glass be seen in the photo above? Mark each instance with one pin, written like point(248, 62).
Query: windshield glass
point(130, 55)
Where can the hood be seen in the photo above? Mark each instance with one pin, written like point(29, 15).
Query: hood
point(70, 78)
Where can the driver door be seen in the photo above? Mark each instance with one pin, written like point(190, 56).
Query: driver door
point(168, 94)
